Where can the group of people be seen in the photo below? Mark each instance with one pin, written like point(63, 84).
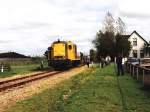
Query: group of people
point(105, 61)
point(119, 62)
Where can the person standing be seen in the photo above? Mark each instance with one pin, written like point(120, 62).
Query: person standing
point(119, 65)
point(88, 62)
point(108, 59)
point(100, 61)
point(42, 64)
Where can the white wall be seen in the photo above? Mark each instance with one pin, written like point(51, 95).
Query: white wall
point(140, 44)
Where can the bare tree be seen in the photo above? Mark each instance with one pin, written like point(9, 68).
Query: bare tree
point(109, 23)
point(120, 26)
point(108, 41)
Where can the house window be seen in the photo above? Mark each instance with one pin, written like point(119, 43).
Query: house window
point(134, 41)
point(135, 53)
point(141, 54)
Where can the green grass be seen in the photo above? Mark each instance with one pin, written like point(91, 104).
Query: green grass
point(95, 90)
point(18, 70)
point(137, 99)
point(21, 70)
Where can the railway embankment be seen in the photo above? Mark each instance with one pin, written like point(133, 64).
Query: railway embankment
point(10, 96)
point(94, 90)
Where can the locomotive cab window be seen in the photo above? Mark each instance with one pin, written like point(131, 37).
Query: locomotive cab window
point(70, 47)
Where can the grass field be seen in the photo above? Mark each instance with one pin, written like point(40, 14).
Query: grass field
point(21, 69)
point(96, 90)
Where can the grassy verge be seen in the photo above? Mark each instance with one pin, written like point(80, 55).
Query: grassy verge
point(137, 99)
point(95, 90)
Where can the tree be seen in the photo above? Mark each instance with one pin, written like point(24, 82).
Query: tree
point(109, 23)
point(104, 43)
point(123, 46)
point(108, 42)
point(93, 55)
point(105, 37)
point(120, 26)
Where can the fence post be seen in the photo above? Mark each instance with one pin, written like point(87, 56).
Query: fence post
point(2, 68)
point(137, 73)
point(143, 76)
point(126, 69)
point(130, 70)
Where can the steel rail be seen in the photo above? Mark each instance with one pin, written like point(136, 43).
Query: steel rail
point(8, 84)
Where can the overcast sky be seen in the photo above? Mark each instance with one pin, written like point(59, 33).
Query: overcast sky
point(30, 26)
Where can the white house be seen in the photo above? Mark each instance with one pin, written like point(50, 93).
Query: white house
point(137, 43)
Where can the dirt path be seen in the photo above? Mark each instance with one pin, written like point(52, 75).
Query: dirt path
point(9, 98)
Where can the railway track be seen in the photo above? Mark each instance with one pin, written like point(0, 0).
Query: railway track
point(8, 84)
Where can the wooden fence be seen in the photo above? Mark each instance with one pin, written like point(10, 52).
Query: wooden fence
point(139, 73)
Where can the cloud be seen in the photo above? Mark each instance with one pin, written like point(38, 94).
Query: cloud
point(136, 15)
point(30, 26)
point(5, 41)
point(134, 7)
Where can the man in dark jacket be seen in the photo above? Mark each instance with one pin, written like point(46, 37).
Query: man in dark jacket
point(119, 65)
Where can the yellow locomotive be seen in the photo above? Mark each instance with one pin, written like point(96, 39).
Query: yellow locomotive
point(62, 54)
